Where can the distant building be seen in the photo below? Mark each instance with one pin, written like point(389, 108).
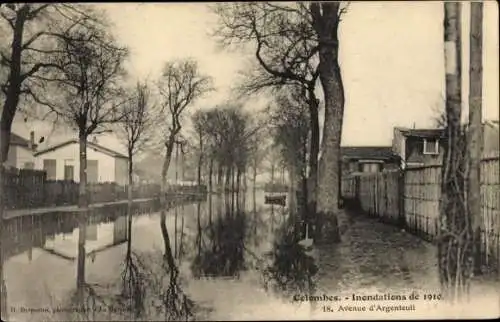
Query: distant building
point(418, 147)
point(21, 152)
point(61, 162)
point(180, 171)
point(356, 159)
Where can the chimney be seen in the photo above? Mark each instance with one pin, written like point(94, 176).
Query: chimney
point(32, 141)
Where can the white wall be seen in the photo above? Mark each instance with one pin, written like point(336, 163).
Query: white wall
point(106, 163)
point(23, 155)
point(12, 156)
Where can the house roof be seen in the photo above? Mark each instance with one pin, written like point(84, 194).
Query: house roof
point(423, 133)
point(19, 140)
point(92, 145)
point(367, 152)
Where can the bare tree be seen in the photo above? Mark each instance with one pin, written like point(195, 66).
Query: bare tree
point(291, 128)
point(297, 43)
point(286, 47)
point(30, 31)
point(180, 85)
point(326, 21)
point(90, 69)
point(199, 120)
point(475, 133)
point(454, 236)
point(258, 150)
point(135, 130)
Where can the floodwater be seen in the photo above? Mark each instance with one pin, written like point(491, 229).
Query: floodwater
point(238, 259)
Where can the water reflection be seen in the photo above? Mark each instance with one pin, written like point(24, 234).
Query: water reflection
point(291, 270)
point(220, 244)
point(243, 236)
point(233, 237)
point(58, 233)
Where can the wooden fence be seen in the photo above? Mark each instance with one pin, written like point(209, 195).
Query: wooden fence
point(411, 199)
point(29, 189)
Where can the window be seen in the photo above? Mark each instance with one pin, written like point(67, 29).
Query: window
point(92, 171)
point(69, 170)
point(431, 146)
point(49, 165)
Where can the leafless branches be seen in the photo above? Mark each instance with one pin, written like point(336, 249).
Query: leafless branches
point(136, 128)
point(89, 71)
point(180, 85)
point(283, 39)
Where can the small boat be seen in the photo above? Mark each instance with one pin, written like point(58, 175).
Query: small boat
point(276, 199)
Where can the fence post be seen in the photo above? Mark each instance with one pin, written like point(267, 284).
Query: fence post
point(401, 199)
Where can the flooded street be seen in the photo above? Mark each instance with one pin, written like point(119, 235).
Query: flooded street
point(237, 260)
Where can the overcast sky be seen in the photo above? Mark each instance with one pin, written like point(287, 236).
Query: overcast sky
point(391, 58)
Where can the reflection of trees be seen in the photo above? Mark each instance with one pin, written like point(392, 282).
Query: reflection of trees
point(133, 284)
point(223, 254)
point(291, 270)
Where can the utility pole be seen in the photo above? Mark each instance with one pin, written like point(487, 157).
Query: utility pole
point(475, 134)
point(452, 217)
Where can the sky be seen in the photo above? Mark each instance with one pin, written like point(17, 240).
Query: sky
point(391, 56)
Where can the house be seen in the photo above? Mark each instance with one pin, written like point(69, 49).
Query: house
point(21, 152)
point(61, 162)
point(418, 147)
point(357, 159)
point(180, 169)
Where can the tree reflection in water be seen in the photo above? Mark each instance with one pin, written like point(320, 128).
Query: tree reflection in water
point(221, 245)
point(291, 270)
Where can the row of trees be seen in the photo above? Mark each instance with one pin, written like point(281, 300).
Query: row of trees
point(228, 146)
point(295, 45)
point(63, 61)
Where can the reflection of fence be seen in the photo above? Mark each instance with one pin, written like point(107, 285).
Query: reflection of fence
point(411, 198)
point(30, 189)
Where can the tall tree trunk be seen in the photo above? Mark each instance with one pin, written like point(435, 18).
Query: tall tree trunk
point(453, 251)
point(292, 190)
point(254, 178)
point(238, 180)
point(163, 202)
point(83, 205)
point(232, 179)
point(210, 174)
point(198, 221)
point(200, 160)
point(8, 113)
point(176, 214)
point(210, 209)
point(228, 178)
point(176, 163)
point(313, 149)
point(129, 204)
point(326, 26)
point(475, 142)
point(220, 173)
